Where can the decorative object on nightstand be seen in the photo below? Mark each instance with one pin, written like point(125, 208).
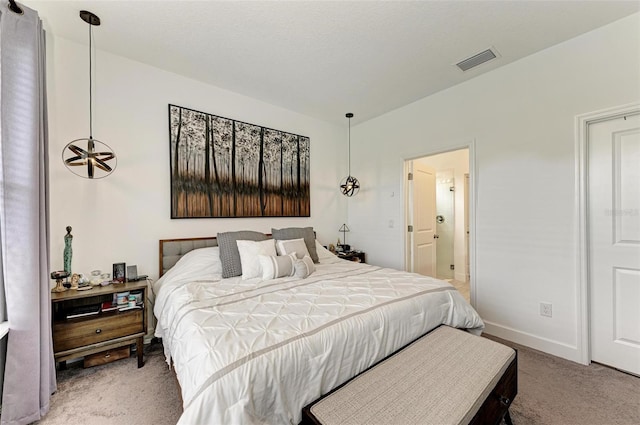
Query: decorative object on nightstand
point(75, 278)
point(95, 277)
point(119, 273)
point(96, 154)
point(350, 185)
point(59, 277)
point(68, 250)
point(78, 284)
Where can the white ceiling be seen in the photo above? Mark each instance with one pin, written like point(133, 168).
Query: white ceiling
point(325, 58)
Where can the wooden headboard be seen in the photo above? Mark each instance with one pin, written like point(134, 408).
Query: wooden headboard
point(171, 250)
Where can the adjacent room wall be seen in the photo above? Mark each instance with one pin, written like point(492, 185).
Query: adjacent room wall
point(121, 218)
point(458, 162)
point(521, 120)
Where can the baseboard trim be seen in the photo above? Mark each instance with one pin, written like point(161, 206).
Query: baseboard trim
point(549, 346)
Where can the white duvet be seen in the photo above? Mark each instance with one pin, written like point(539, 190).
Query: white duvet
point(256, 352)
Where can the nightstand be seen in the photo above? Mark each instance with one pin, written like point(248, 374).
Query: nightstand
point(357, 256)
point(101, 332)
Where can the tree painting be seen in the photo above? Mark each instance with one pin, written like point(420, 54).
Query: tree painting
point(226, 168)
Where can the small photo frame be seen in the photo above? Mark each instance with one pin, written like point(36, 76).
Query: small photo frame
point(132, 273)
point(119, 272)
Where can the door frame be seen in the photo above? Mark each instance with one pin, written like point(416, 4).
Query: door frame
point(582, 123)
point(471, 146)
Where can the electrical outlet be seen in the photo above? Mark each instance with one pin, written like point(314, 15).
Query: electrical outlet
point(546, 309)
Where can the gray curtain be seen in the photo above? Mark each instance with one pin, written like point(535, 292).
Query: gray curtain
point(29, 378)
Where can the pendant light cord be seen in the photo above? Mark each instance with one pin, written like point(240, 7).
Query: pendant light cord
point(90, 86)
point(349, 155)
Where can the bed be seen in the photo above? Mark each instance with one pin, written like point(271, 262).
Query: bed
point(255, 351)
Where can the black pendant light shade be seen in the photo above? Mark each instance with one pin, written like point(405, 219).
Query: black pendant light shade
point(89, 158)
point(350, 185)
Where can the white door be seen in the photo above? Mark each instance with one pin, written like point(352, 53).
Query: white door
point(466, 227)
point(614, 242)
point(423, 247)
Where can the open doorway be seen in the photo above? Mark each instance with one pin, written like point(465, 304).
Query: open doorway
point(437, 213)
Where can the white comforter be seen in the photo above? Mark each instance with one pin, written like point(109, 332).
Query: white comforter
point(256, 352)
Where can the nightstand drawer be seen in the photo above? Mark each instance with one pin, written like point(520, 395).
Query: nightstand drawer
point(107, 356)
point(76, 333)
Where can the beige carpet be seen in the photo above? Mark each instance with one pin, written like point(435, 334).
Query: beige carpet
point(117, 393)
point(550, 391)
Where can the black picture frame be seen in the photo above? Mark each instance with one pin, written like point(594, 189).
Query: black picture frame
point(223, 168)
point(119, 272)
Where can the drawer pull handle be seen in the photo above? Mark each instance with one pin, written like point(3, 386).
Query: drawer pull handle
point(106, 356)
point(98, 331)
point(504, 400)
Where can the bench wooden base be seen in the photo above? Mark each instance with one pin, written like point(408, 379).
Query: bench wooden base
point(447, 376)
point(496, 406)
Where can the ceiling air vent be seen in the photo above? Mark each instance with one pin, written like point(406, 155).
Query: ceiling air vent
point(476, 60)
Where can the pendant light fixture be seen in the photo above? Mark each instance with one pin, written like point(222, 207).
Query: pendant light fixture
point(350, 185)
point(97, 159)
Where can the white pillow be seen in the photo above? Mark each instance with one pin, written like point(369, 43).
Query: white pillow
point(201, 263)
point(298, 246)
point(323, 253)
point(304, 267)
point(249, 252)
point(277, 266)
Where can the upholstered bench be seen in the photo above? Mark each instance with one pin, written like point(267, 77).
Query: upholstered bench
point(448, 376)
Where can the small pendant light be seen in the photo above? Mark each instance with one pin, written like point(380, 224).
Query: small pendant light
point(98, 157)
point(350, 185)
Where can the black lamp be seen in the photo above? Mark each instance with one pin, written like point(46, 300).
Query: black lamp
point(344, 229)
point(98, 157)
point(350, 185)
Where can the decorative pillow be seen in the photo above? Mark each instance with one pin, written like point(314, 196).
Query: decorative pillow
point(200, 263)
point(278, 266)
point(250, 252)
point(324, 253)
point(229, 255)
point(304, 267)
point(296, 233)
point(292, 245)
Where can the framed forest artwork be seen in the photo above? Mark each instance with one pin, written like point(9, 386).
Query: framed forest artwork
point(221, 167)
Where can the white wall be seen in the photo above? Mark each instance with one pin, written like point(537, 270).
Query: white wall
point(121, 218)
point(458, 162)
point(520, 119)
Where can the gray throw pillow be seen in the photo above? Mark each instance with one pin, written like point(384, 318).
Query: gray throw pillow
point(304, 267)
point(306, 233)
point(229, 255)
